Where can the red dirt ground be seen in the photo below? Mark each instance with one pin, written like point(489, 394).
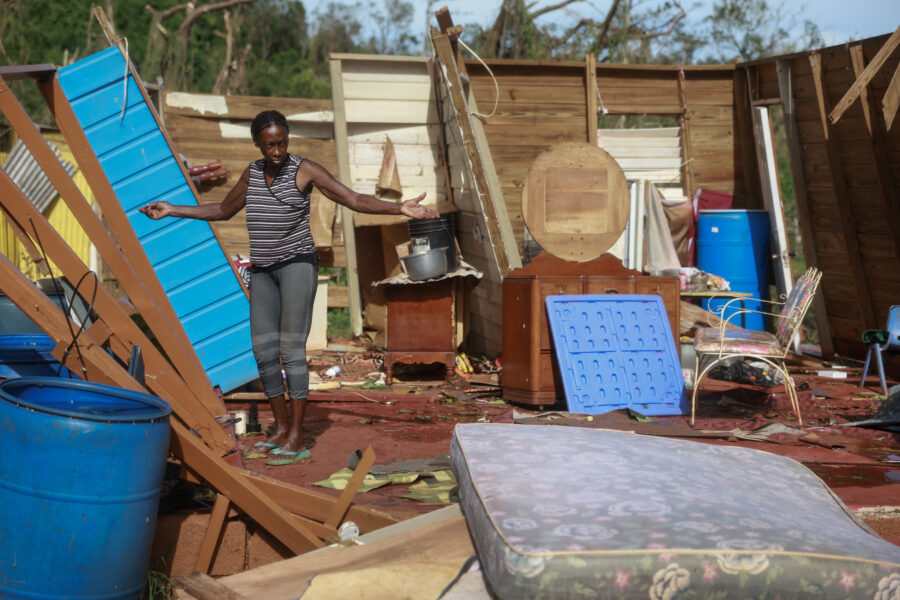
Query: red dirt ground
point(416, 419)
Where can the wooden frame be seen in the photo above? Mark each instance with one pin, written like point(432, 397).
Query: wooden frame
point(198, 440)
point(347, 227)
point(503, 243)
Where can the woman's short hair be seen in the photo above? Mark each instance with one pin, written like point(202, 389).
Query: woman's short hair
point(266, 119)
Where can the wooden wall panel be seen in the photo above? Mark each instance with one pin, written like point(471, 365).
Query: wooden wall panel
point(542, 104)
point(852, 170)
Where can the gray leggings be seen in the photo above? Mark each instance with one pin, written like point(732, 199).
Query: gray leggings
point(281, 307)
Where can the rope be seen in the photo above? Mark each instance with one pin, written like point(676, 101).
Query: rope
point(494, 79)
point(125, 82)
point(603, 109)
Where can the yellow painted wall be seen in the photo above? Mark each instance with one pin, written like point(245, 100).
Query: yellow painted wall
point(59, 216)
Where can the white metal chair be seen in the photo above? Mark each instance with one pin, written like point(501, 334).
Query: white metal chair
point(716, 344)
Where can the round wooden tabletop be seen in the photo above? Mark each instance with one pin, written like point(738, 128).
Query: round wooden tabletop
point(575, 201)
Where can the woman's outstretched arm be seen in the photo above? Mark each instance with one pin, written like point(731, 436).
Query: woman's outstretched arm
point(214, 211)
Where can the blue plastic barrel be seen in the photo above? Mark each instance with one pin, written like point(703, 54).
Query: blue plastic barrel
point(29, 356)
point(81, 470)
point(734, 244)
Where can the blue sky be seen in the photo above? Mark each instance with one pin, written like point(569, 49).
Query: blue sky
point(839, 20)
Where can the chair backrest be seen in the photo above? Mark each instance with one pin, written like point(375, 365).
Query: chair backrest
point(796, 305)
point(893, 328)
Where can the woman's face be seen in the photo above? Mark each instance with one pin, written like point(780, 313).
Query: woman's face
point(273, 143)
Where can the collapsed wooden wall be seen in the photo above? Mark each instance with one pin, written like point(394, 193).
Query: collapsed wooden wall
point(207, 128)
point(846, 179)
point(542, 103)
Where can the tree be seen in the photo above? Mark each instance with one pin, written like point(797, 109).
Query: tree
point(619, 33)
point(169, 54)
point(392, 26)
point(752, 29)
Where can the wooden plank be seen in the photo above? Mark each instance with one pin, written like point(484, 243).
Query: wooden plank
point(395, 112)
point(131, 282)
point(796, 162)
point(856, 57)
point(505, 252)
point(313, 504)
point(240, 107)
point(838, 180)
point(337, 296)
point(891, 100)
point(213, 535)
point(249, 498)
point(343, 161)
point(203, 587)
point(400, 91)
point(163, 379)
point(343, 502)
point(863, 79)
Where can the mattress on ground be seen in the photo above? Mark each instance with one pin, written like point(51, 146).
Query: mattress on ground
point(559, 512)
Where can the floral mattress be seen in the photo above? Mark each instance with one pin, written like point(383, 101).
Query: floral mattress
point(559, 512)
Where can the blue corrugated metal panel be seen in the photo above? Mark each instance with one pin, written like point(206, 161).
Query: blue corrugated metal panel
point(186, 256)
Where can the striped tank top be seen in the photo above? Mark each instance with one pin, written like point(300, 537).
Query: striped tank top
point(277, 215)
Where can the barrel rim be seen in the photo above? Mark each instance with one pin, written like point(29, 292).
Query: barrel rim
point(733, 210)
point(86, 386)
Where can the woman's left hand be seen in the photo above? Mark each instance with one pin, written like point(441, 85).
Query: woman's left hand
point(412, 208)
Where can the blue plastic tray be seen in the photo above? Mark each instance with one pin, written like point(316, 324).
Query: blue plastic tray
point(616, 351)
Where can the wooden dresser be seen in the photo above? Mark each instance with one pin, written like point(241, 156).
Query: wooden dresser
point(530, 374)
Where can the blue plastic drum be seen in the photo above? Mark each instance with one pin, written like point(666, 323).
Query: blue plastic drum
point(734, 244)
point(81, 470)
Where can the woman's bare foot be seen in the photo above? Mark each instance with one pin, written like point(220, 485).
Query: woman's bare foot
point(279, 432)
point(293, 441)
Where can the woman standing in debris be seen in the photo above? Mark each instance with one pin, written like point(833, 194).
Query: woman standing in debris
point(276, 192)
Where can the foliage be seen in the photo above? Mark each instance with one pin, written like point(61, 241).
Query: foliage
point(751, 29)
point(281, 48)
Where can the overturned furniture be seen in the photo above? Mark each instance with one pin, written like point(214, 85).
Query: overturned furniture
point(716, 344)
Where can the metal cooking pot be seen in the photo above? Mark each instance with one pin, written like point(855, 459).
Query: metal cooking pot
point(426, 265)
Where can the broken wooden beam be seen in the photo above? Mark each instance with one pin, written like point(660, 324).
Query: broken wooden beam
point(865, 77)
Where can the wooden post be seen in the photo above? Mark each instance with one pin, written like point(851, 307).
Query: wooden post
point(842, 197)
point(213, 535)
point(340, 507)
point(343, 163)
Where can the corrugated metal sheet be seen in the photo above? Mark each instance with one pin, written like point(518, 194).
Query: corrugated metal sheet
point(188, 259)
point(59, 216)
point(25, 171)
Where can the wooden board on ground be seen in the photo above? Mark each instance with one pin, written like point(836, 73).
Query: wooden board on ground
point(444, 542)
point(575, 201)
